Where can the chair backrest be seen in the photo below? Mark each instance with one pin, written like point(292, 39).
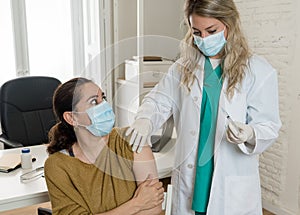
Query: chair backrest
point(26, 109)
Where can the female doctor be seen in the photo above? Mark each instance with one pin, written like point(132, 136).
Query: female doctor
point(224, 101)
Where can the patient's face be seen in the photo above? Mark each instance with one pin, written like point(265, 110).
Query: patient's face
point(90, 95)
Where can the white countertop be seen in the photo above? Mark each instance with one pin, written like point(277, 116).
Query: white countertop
point(16, 194)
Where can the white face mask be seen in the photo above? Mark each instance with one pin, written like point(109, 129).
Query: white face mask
point(211, 45)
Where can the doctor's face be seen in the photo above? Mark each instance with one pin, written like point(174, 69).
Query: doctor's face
point(206, 26)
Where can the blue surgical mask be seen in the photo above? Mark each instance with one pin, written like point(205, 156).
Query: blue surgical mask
point(211, 45)
point(102, 119)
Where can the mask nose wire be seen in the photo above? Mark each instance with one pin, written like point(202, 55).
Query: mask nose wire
point(204, 36)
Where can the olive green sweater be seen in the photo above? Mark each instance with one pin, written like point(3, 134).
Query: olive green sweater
point(79, 188)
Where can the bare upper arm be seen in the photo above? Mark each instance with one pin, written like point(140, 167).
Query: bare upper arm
point(144, 165)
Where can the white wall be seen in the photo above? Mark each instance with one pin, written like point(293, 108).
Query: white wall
point(125, 28)
point(163, 21)
point(162, 29)
point(290, 196)
point(273, 31)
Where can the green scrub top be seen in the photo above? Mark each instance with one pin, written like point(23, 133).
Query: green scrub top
point(212, 86)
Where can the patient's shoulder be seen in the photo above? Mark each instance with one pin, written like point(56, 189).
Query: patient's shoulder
point(119, 142)
point(58, 160)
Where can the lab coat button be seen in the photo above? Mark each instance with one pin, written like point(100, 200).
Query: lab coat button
point(190, 166)
point(196, 98)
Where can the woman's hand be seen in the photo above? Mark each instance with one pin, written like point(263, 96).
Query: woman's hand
point(238, 133)
point(149, 194)
point(141, 130)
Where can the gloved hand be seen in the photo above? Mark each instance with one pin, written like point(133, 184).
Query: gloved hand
point(238, 133)
point(141, 130)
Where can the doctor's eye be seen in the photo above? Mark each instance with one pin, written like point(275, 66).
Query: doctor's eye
point(211, 31)
point(197, 33)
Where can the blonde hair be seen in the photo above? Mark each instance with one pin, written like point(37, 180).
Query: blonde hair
point(236, 52)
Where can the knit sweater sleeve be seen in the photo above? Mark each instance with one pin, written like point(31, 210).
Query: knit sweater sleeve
point(117, 158)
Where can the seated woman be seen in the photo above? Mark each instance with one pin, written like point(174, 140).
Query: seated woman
point(91, 168)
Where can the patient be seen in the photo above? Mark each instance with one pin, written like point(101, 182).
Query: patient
point(91, 168)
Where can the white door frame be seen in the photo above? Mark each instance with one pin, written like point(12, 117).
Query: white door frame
point(18, 10)
point(81, 44)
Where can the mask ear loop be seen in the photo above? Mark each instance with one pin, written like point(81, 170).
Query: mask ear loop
point(76, 124)
point(225, 27)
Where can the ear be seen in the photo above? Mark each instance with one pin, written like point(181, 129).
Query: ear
point(68, 117)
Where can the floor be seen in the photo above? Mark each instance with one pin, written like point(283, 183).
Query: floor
point(265, 212)
point(32, 210)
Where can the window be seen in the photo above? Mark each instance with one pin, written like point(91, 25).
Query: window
point(7, 57)
point(45, 35)
point(50, 38)
point(53, 38)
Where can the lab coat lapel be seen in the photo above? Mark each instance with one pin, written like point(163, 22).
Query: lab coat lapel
point(197, 87)
point(221, 121)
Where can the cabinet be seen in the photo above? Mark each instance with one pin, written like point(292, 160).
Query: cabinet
point(131, 89)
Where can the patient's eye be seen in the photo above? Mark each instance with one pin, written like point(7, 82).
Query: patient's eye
point(94, 101)
point(103, 96)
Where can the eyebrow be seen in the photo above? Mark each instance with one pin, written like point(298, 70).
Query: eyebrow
point(205, 28)
point(91, 97)
point(94, 96)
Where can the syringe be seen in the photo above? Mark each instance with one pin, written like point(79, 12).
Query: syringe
point(235, 128)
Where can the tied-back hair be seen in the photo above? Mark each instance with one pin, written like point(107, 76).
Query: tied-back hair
point(236, 52)
point(65, 98)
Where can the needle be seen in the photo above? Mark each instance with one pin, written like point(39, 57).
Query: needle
point(235, 127)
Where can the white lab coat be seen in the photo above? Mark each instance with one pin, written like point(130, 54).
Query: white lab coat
point(235, 188)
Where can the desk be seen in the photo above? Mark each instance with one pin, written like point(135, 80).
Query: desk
point(15, 194)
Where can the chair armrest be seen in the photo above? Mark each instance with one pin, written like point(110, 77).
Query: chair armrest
point(9, 143)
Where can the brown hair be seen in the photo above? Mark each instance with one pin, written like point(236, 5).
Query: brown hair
point(65, 98)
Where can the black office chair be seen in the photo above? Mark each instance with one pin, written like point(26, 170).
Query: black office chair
point(26, 110)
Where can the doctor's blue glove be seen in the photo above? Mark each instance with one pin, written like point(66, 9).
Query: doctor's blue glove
point(238, 133)
point(141, 130)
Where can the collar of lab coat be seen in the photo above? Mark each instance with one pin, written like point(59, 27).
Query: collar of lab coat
point(199, 73)
point(198, 83)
